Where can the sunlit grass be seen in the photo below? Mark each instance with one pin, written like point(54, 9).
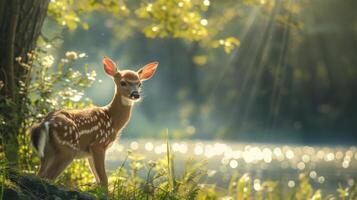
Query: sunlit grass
point(308, 180)
point(285, 156)
point(138, 177)
point(154, 170)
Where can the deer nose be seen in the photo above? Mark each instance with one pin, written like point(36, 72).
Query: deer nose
point(135, 95)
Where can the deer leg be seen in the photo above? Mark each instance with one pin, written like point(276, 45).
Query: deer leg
point(98, 155)
point(45, 161)
point(92, 168)
point(58, 165)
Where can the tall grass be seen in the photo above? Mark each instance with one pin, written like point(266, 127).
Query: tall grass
point(139, 179)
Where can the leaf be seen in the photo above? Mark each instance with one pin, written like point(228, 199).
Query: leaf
point(85, 26)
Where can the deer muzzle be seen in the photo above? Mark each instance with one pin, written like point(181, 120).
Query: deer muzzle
point(135, 95)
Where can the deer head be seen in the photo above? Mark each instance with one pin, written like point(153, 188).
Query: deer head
point(128, 82)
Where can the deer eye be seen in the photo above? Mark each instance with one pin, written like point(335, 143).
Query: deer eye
point(123, 83)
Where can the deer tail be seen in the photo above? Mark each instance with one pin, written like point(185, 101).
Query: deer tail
point(39, 134)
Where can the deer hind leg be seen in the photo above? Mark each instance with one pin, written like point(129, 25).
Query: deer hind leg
point(58, 165)
point(43, 167)
point(61, 155)
point(45, 161)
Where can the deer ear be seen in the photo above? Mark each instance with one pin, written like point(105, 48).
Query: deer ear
point(147, 71)
point(109, 66)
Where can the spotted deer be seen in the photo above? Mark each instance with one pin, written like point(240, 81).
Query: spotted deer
point(64, 135)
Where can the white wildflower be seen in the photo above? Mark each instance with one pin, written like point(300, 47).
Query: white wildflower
point(64, 60)
point(81, 55)
point(18, 59)
point(47, 61)
point(71, 55)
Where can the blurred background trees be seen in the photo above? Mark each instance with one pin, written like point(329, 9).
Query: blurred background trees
point(268, 71)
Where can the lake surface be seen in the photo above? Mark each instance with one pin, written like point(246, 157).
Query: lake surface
point(327, 166)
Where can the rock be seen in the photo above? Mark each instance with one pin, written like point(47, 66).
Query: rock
point(13, 194)
point(29, 187)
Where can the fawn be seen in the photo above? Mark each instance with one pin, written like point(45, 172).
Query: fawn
point(64, 135)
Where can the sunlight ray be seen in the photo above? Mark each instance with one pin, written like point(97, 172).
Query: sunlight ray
point(258, 49)
point(251, 20)
point(262, 57)
point(280, 73)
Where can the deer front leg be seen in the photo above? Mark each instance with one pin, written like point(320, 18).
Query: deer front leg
point(98, 156)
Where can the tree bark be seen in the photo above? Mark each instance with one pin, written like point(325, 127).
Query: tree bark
point(20, 27)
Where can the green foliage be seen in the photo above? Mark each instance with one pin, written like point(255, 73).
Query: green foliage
point(347, 193)
point(77, 175)
point(58, 87)
point(3, 167)
point(180, 19)
point(187, 19)
point(228, 44)
point(25, 153)
point(68, 13)
point(50, 88)
point(9, 124)
point(304, 189)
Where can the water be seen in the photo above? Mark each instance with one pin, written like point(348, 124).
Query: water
point(326, 166)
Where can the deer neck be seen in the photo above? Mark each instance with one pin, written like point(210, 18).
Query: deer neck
point(119, 109)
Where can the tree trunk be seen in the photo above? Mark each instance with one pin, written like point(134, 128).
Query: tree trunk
point(20, 26)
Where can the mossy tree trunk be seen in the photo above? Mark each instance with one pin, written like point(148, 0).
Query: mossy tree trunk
point(20, 26)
